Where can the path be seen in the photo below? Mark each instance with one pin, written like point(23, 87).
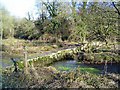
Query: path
point(44, 53)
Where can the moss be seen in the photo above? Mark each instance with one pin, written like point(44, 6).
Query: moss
point(49, 59)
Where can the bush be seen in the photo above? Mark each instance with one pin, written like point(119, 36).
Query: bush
point(3, 47)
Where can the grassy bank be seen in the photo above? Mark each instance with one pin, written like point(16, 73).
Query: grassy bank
point(49, 77)
point(89, 57)
point(41, 76)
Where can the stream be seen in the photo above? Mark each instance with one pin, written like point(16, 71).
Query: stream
point(68, 65)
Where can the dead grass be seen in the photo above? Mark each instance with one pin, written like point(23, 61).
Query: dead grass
point(16, 46)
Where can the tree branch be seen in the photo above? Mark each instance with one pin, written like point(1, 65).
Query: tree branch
point(116, 8)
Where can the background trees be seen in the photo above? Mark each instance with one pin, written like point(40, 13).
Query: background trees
point(74, 21)
point(7, 23)
point(25, 29)
point(104, 24)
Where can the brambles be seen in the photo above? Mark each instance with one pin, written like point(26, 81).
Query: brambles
point(51, 78)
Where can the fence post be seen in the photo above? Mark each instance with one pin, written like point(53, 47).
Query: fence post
point(25, 61)
point(105, 67)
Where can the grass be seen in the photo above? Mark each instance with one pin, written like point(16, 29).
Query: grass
point(82, 69)
point(88, 69)
point(14, 46)
point(63, 68)
point(17, 45)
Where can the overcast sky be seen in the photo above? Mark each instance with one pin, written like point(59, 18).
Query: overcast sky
point(18, 8)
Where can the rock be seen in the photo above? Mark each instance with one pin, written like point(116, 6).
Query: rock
point(52, 69)
point(54, 46)
point(113, 76)
point(111, 83)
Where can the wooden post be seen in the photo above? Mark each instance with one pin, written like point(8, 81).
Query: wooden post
point(25, 61)
point(105, 67)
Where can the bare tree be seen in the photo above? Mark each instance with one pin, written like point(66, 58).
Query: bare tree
point(116, 8)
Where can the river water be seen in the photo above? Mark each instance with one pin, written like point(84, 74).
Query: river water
point(68, 65)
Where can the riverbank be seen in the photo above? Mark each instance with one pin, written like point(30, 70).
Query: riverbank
point(35, 48)
point(49, 77)
point(42, 75)
point(46, 59)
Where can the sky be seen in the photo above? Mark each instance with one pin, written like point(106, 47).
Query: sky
point(18, 8)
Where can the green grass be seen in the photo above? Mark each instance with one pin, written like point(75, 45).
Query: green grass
point(78, 62)
point(88, 69)
point(63, 68)
point(82, 69)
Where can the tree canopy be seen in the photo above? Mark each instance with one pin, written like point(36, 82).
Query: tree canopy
point(77, 21)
